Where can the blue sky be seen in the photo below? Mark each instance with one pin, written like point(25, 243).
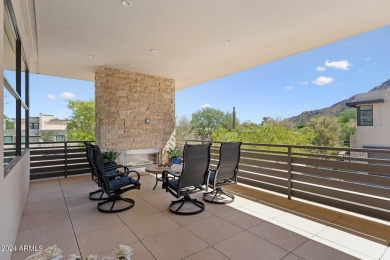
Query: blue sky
point(280, 89)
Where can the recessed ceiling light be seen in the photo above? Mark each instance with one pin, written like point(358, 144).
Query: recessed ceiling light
point(133, 65)
point(126, 3)
point(165, 72)
point(91, 56)
point(228, 42)
point(153, 50)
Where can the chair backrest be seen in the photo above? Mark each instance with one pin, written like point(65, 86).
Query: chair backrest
point(229, 158)
point(196, 162)
point(89, 153)
point(98, 159)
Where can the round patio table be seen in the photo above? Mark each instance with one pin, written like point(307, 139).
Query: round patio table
point(154, 168)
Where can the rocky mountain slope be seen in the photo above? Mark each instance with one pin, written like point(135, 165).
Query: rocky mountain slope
point(334, 109)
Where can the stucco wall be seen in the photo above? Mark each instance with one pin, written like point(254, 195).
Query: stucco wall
point(13, 194)
point(124, 100)
point(378, 134)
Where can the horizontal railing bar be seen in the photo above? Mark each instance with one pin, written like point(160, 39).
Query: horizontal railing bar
point(263, 178)
point(366, 210)
point(262, 185)
point(266, 164)
point(348, 176)
point(340, 194)
point(262, 156)
point(379, 169)
point(380, 191)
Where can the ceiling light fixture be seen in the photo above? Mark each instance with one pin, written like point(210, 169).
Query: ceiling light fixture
point(126, 3)
point(91, 56)
point(228, 42)
point(134, 65)
point(153, 50)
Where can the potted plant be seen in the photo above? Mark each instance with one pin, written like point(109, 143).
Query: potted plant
point(174, 155)
point(109, 157)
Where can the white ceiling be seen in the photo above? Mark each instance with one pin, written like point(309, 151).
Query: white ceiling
point(189, 35)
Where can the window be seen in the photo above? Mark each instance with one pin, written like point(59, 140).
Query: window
point(60, 138)
point(34, 139)
point(33, 125)
point(8, 139)
point(15, 98)
point(365, 115)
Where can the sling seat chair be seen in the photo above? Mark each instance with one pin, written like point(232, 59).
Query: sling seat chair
point(196, 162)
point(109, 169)
point(115, 185)
point(224, 174)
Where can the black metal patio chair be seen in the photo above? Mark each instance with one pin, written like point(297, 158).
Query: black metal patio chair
point(224, 174)
point(109, 169)
point(115, 185)
point(196, 162)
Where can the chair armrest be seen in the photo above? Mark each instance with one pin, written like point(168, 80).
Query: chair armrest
point(167, 174)
point(125, 173)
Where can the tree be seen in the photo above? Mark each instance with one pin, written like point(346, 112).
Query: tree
point(184, 129)
point(326, 131)
point(9, 123)
point(271, 131)
point(347, 121)
point(206, 120)
point(81, 125)
point(347, 115)
point(48, 136)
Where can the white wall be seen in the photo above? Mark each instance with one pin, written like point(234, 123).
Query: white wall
point(13, 194)
point(378, 134)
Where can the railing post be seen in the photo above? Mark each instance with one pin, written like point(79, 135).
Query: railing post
point(289, 173)
point(66, 159)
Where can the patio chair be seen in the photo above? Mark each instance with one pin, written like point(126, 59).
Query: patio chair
point(196, 162)
point(115, 185)
point(110, 169)
point(224, 174)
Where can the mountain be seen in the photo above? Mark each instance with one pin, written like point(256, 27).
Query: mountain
point(334, 109)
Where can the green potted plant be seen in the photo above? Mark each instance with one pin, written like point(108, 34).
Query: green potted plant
point(109, 157)
point(174, 155)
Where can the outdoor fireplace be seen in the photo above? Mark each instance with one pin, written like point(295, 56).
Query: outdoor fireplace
point(140, 158)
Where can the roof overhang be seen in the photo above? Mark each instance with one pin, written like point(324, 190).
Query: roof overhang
point(189, 41)
point(365, 102)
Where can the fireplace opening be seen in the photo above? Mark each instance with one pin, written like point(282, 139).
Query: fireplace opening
point(141, 157)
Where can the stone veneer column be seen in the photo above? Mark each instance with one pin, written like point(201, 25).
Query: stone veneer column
point(124, 100)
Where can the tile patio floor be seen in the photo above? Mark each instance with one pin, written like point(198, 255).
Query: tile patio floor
point(258, 225)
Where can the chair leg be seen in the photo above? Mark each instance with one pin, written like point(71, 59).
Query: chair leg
point(97, 195)
point(177, 205)
point(113, 201)
point(218, 196)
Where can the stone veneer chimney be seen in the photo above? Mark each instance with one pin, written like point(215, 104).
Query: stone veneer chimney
point(123, 102)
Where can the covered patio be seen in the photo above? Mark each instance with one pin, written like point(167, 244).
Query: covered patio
point(138, 56)
point(258, 225)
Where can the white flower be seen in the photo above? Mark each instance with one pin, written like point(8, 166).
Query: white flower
point(124, 251)
point(108, 258)
point(74, 257)
point(92, 257)
point(36, 256)
point(50, 253)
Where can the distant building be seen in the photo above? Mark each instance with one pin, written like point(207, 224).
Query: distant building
point(41, 128)
point(373, 120)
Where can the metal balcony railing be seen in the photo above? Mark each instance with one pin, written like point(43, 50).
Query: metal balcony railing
point(57, 159)
point(344, 178)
